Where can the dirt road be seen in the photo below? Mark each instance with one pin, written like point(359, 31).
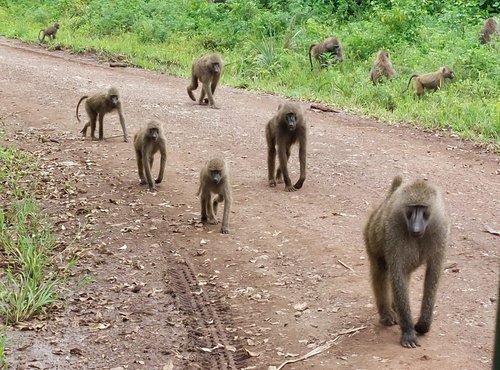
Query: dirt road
point(153, 287)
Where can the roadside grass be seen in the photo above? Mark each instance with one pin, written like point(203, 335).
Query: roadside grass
point(266, 49)
point(3, 340)
point(28, 283)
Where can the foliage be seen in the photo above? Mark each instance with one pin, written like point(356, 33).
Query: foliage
point(265, 43)
point(27, 284)
point(3, 340)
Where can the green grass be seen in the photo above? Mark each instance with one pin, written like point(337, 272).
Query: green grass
point(3, 340)
point(27, 278)
point(264, 44)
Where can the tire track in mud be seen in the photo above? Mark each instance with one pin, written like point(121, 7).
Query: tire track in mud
point(209, 319)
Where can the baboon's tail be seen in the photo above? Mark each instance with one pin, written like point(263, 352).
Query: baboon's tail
point(310, 59)
point(409, 83)
point(77, 116)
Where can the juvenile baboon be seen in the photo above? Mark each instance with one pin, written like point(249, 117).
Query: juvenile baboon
point(323, 52)
point(206, 69)
point(284, 129)
point(50, 32)
point(489, 30)
point(431, 81)
point(147, 141)
point(215, 179)
point(382, 67)
point(99, 105)
point(408, 229)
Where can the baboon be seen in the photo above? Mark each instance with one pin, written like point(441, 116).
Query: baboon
point(382, 67)
point(489, 30)
point(147, 141)
point(50, 32)
point(215, 179)
point(99, 105)
point(323, 51)
point(431, 81)
point(284, 129)
point(408, 229)
point(206, 69)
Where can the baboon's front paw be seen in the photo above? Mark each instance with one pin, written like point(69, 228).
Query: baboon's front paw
point(224, 230)
point(290, 188)
point(409, 340)
point(272, 183)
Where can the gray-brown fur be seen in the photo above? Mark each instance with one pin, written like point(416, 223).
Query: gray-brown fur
point(215, 180)
point(324, 51)
point(382, 67)
point(489, 31)
point(97, 106)
point(287, 127)
point(409, 228)
point(207, 70)
point(147, 141)
point(50, 32)
point(431, 81)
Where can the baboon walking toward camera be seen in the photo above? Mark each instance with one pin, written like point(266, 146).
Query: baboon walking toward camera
point(147, 141)
point(324, 51)
point(489, 30)
point(408, 229)
point(50, 32)
point(99, 105)
point(284, 129)
point(208, 70)
point(215, 179)
point(382, 67)
point(431, 81)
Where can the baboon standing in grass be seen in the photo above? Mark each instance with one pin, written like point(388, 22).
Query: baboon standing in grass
point(50, 32)
point(324, 51)
point(382, 67)
point(431, 81)
point(489, 31)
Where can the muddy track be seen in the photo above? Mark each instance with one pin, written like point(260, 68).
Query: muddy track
point(209, 319)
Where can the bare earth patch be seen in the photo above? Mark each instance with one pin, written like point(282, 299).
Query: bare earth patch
point(154, 289)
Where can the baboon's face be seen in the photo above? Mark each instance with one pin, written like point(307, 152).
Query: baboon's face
point(114, 99)
point(291, 121)
point(216, 67)
point(153, 134)
point(417, 218)
point(215, 176)
point(448, 73)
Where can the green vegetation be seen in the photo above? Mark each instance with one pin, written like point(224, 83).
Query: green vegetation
point(265, 43)
point(27, 281)
point(3, 339)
